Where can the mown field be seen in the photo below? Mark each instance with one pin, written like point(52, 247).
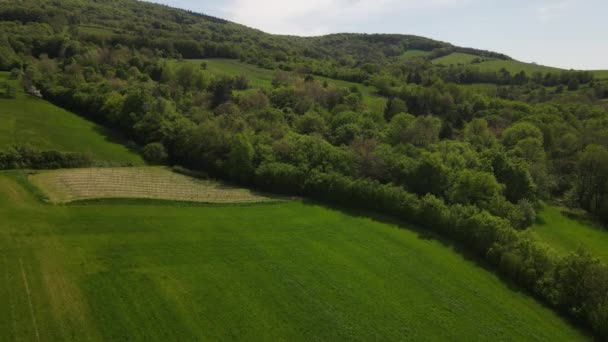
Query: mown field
point(28, 120)
point(289, 271)
point(567, 234)
point(262, 78)
point(61, 186)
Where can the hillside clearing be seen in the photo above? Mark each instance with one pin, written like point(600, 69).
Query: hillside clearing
point(29, 120)
point(62, 186)
point(289, 271)
point(567, 235)
point(413, 54)
point(456, 58)
point(512, 66)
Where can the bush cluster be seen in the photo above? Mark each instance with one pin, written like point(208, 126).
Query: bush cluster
point(25, 157)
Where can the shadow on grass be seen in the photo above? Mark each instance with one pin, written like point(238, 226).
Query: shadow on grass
point(539, 220)
point(115, 137)
point(163, 202)
point(583, 218)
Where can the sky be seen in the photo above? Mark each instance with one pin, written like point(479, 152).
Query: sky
point(570, 34)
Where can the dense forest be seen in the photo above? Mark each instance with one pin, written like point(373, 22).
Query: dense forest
point(463, 163)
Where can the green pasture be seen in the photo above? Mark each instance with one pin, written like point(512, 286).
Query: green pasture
point(294, 271)
point(29, 120)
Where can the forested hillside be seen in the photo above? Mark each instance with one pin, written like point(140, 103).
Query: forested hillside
point(463, 163)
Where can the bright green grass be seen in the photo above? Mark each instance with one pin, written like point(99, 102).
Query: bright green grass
point(262, 78)
point(515, 66)
point(455, 58)
point(413, 54)
point(567, 235)
point(281, 272)
point(28, 120)
point(493, 64)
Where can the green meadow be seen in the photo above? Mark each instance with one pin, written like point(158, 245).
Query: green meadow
point(512, 66)
point(455, 58)
point(567, 234)
point(293, 271)
point(29, 120)
point(413, 54)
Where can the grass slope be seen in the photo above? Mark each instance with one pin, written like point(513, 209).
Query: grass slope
point(28, 120)
point(62, 186)
point(512, 66)
point(262, 78)
point(289, 271)
point(455, 58)
point(515, 66)
point(567, 235)
point(413, 54)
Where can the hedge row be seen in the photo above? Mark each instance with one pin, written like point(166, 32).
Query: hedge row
point(576, 285)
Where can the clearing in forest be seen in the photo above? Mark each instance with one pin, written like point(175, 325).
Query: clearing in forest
point(27, 120)
point(568, 234)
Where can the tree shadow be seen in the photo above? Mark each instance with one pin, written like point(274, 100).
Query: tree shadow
point(116, 137)
point(583, 218)
point(539, 220)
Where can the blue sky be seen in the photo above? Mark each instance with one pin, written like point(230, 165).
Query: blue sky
point(561, 33)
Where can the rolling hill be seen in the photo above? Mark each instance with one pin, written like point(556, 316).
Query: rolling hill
point(291, 271)
point(366, 124)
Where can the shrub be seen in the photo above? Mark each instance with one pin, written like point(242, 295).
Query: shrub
point(155, 153)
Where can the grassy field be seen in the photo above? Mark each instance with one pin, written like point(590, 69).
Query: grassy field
point(262, 78)
point(28, 120)
point(455, 58)
point(289, 271)
point(61, 186)
point(412, 54)
point(515, 66)
point(493, 64)
point(567, 235)
point(512, 66)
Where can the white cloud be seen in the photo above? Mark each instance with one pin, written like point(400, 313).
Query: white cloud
point(314, 17)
